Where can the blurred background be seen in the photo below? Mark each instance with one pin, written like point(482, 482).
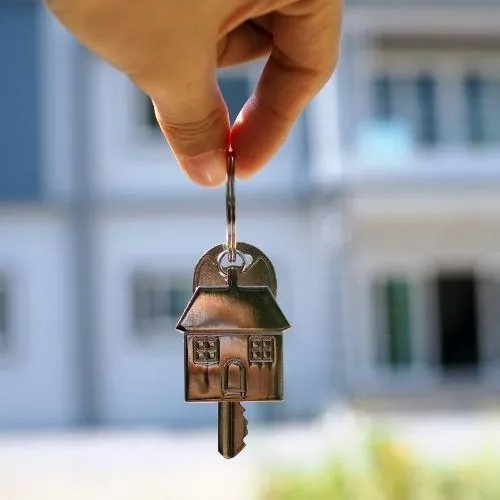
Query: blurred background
point(381, 214)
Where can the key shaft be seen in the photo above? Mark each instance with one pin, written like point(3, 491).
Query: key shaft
point(232, 428)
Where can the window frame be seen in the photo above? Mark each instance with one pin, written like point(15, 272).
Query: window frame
point(6, 340)
point(481, 136)
point(155, 282)
point(12, 343)
point(425, 128)
point(382, 335)
point(449, 69)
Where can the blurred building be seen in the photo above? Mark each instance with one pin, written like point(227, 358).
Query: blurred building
point(420, 91)
point(101, 232)
point(380, 213)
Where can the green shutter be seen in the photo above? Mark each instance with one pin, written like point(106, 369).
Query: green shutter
point(398, 322)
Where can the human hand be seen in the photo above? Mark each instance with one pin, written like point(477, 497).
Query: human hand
point(171, 49)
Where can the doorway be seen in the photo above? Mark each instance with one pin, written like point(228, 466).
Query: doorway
point(457, 321)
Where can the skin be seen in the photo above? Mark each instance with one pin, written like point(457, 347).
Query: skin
point(171, 50)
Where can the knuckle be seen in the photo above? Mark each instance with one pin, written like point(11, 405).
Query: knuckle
point(329, 67)
point(287, 116)
point(313, 75)
point(189, 134)
point(326, 64)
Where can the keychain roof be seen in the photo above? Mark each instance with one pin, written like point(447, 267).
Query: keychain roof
point(233, 309)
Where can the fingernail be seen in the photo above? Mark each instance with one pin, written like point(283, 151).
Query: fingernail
point(207, 169)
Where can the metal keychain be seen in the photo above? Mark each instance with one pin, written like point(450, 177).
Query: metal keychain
point(233, 326)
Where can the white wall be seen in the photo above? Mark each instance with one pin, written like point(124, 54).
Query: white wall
point(37, 376)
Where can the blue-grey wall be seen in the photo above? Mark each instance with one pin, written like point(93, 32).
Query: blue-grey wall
point(20, 165)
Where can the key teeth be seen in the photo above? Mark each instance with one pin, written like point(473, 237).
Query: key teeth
point(245, 423)
point(245, 427)
point(231, 444)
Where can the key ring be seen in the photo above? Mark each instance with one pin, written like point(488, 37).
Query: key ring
point(230, 208)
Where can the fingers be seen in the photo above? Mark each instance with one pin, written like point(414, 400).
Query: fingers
point(193, 115)
point(171, 49)
point(306, 43)
point(194, 119)
point(246, 43)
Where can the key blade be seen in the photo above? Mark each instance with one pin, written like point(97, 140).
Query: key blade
point(232, 428)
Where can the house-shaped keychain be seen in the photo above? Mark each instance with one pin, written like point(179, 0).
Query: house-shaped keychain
point(233, 343)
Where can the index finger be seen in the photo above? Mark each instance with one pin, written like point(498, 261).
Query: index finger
point(306, 38)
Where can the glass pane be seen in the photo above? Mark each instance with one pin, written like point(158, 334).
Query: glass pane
point(382, 90)
point(158, 300)
point(160, 295)
point(397, 298)
point(489, 298)
point(491, 111)
point(236, 91)
point(151, 117)
point(3, 317)
point(142, 301)
point(427, 103)
point(475, 120)
point(396, 102)
point(410, 102)
point(179, 298)
point(483, 104)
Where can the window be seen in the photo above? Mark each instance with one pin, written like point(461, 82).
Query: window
point(457, 309)
point(158, 301)
point(261, 350)
point(236, 91)
point(393, 321)
point(206, 350)
point(474, 115)
point(151, 120)
point(482, 97)
point(411, 101)
point(426, 98)
point(4, 320)
point(145, 114)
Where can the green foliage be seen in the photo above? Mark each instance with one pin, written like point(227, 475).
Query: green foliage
point(387, 470)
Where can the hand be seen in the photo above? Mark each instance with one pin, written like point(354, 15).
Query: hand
point(171, 49)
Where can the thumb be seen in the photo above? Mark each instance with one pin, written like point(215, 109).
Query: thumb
point(194, 119)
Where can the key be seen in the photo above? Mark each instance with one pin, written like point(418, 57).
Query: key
point(233, 339)
point(233, 329)
point(258, 269)
point(232, 429)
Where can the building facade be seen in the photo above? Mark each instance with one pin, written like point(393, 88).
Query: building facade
point(380, 213)
point(420, 170)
